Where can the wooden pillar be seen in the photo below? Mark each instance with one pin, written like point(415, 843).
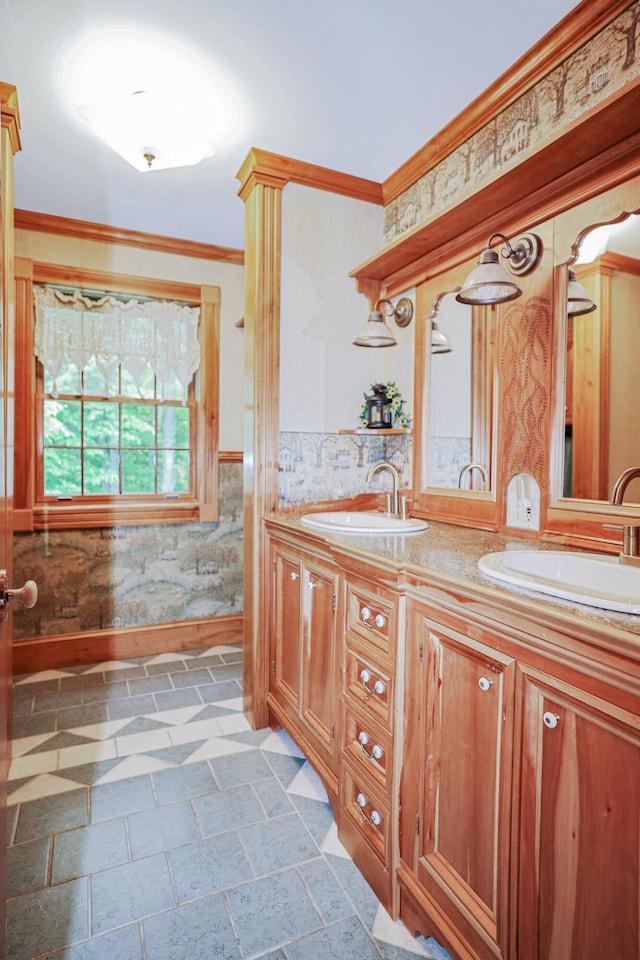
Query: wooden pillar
point(262, 195)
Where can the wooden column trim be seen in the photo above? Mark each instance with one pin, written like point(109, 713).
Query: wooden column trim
point(10, 115)
point(24, 490)
point(263, 213)
point(208, 390)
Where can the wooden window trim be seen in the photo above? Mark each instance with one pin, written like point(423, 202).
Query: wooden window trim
point(29, 514)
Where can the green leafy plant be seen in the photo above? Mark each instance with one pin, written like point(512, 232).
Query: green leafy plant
point(399, 416)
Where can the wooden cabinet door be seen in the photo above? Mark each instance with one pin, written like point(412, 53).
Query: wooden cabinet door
point(286, 663)
point(580, 827)
point(319, 694)
point(462, 713)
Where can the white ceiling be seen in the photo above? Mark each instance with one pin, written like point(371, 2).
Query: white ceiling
point(354, 85)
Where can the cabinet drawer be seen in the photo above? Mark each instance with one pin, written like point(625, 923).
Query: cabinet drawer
point(372, 617)
point(365, 809)
point(369, 747)
point(369, 686)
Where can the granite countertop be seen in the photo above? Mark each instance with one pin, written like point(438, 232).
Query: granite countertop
point(450, 555)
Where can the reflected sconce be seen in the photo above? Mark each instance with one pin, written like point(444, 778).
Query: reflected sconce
point(439, 340)
point(489, 281)
point(578, 300)
point(375, 332)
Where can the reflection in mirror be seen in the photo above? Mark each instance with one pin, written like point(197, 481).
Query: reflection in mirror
point(602, 401)
point(461, 396)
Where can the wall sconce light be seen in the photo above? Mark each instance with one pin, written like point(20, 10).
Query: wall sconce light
point(489, 282)
point(578, 300)
point(439, 340)
point(375, 332)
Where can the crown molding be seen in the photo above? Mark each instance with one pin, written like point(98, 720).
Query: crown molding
point(83, 230)
point(261, 166)
point(567, 36)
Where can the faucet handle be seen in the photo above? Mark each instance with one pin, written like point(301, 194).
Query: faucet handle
point(404, 503)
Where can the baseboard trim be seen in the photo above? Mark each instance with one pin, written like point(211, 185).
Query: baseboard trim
point(66, 650)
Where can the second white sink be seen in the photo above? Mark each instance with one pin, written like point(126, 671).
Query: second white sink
point(362, 521)
point(595, 579)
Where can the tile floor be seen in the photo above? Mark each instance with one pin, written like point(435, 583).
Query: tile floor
point(147, 821)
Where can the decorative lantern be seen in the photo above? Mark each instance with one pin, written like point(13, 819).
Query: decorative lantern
point(378, 408)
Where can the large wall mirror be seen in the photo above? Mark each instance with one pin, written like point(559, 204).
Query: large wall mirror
point(461, 401)
point(602, 382)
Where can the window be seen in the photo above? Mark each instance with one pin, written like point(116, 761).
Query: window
point(123, 410)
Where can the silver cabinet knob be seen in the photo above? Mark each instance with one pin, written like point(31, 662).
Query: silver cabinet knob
point(379, 620)
point(361, 800)
point(377, 751)
point(294, 575)
point(379, 687)
point(484, 683)
point(550, 720)
point(365, 614)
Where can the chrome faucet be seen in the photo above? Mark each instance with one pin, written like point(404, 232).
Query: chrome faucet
point(468, 468)
point(630, 534)
point(393, 505)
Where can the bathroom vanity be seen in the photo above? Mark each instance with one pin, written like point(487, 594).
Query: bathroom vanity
point(479, 743)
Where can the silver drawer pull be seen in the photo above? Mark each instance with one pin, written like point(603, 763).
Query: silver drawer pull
point(550, 720)
point(378, 686)
point(367, 617)
point(375, 817)
point(484, 683)
point(376, 750)
point(293, 575)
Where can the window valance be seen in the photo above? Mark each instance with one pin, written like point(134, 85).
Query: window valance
point(159, 334)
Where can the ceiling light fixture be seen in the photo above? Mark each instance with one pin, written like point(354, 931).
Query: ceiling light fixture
point(375, 332)
point(489, 282)
point(150, 130)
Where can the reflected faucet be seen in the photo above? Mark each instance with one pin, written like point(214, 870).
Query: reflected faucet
point(630, 534)
point(393, 508)
point(468, 468)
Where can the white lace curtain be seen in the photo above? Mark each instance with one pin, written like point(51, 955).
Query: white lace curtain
point(156, 333)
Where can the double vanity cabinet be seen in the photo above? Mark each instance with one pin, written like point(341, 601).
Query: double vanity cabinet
point(480, 746)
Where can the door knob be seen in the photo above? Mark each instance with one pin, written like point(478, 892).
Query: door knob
point(27, 595)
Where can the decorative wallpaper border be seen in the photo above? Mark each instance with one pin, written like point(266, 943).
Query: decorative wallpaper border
point(329, 466)
point(603, 65)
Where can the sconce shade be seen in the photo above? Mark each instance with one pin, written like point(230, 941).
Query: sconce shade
point(489, 282)
point(375, 333)
point(578, 300)
point(439, 340)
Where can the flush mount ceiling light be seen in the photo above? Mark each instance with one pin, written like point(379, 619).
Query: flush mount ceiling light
point(375, 332)
point(578, 300)
point(149, 130)
point(489, 282)
point(157, 101)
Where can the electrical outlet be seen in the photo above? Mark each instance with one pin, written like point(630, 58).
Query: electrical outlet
point(523, 502)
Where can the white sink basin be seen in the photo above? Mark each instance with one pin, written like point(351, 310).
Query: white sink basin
point(595, 579)
point(362, 521)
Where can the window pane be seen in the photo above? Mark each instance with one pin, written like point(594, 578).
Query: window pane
point(173, 471)
point(101, 472)
point(62, 472)
point(62, 423)
point(138, 471)
point(101, 424)
point(145, 388)
point(173, 426)
point(138, 425)
point(67, 380)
